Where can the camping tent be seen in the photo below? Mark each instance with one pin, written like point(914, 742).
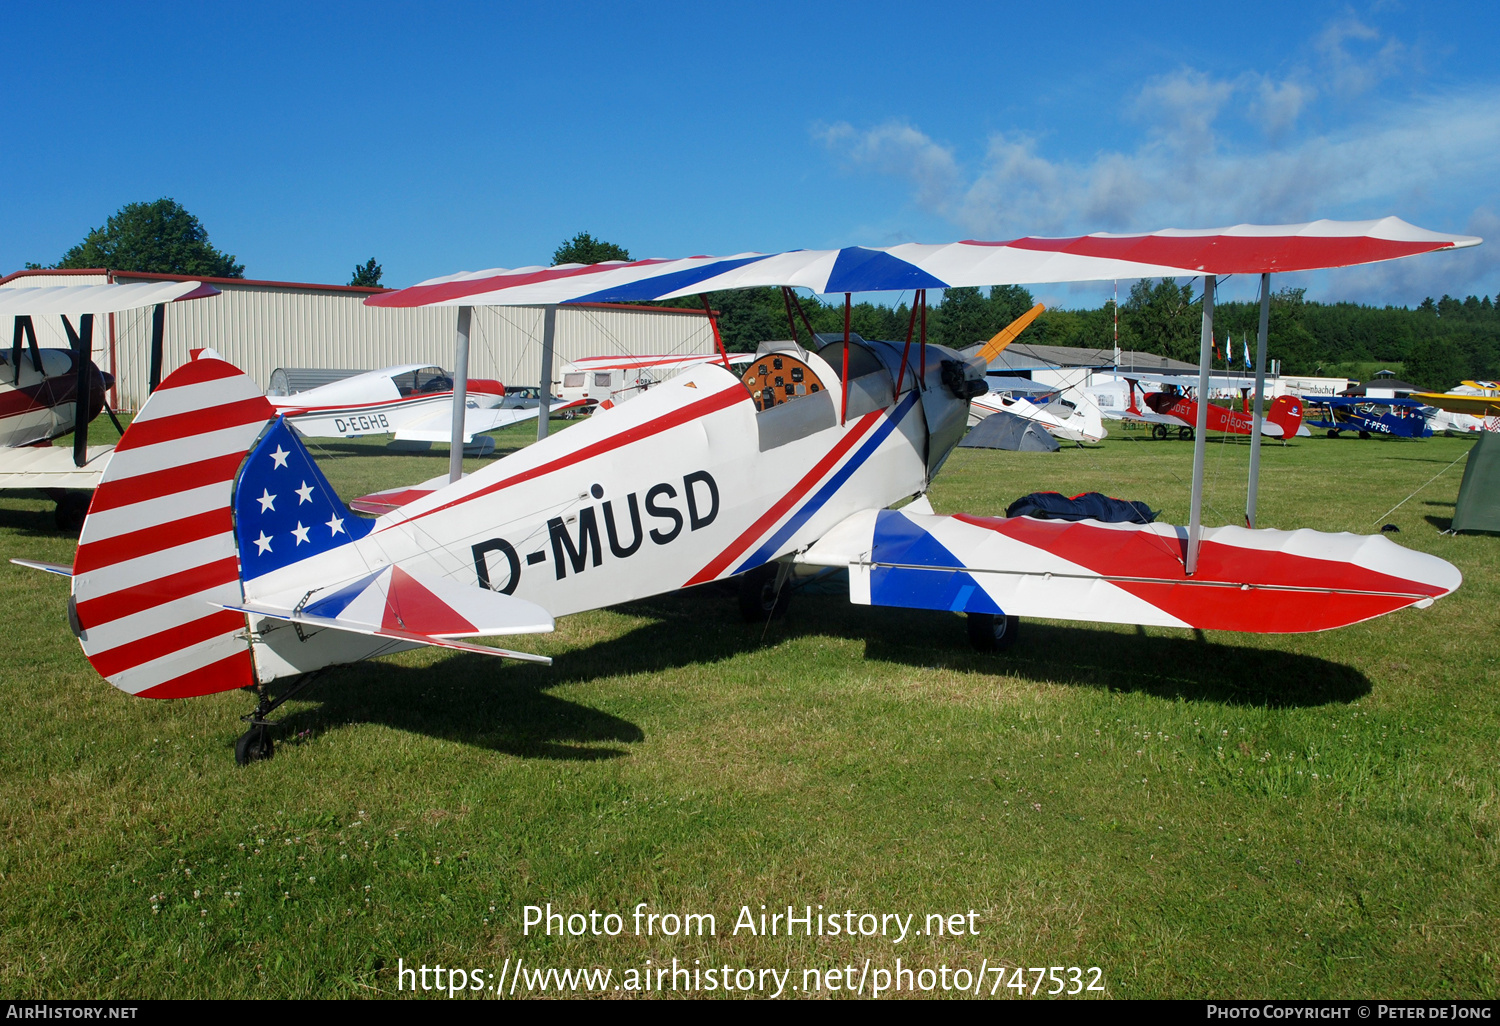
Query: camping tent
point(1007, 431)
point(1478, 507)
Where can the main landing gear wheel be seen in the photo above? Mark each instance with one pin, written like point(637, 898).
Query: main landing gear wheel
point(991, 633)
point(254, 745)
point(1158, 431)
point(1185, 434)
point(760, 599)
point(1364, 434)
point(72, 507)
point(1333, 432)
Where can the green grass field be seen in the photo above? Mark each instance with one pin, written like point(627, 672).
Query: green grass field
point(1221, 815)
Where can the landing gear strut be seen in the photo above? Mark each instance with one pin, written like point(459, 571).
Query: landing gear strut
point(991, 633)
point(764, 592)
point(255, 744)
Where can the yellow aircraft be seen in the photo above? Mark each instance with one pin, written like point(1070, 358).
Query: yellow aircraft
point(1482, 399)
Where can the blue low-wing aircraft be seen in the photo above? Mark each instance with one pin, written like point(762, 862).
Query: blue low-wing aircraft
point(1399, 418)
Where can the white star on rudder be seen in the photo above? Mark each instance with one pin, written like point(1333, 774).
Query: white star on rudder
point(279, 456)
point(263, 543)
point(336, 525)
point(304, 494)
point(266, 500)
point(300, 533)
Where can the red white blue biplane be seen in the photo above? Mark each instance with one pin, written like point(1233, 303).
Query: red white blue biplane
point(216, 556)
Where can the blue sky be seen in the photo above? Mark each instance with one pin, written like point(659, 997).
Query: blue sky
point(444, 137)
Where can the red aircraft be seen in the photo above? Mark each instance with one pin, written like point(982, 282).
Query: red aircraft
point(1282, 419)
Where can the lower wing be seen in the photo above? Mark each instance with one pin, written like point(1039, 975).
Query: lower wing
point(1259, 581)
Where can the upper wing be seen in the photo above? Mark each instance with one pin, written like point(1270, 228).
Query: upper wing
point(1260, 581)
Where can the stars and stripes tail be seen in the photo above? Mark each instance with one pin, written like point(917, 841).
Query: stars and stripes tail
point(157, 557)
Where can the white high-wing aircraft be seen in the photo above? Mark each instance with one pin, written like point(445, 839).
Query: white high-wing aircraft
point(253, 569)
point(1075, 421)
point(412, 401)
point(39, 387)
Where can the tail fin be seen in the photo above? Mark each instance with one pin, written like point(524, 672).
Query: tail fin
point(157, 557)
point(1286, 413)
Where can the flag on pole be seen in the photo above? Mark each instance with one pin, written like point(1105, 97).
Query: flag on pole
point(1246, 339)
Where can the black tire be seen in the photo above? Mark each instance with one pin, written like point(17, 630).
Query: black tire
point(1185, 434)
point(1364, 434)
point(72, 507)
point(1158, 431)
point(759, 599)
point(991, 633)
point(254, 745)
point(1333, 432)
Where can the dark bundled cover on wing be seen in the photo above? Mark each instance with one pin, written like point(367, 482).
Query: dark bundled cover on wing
point(1088, 506)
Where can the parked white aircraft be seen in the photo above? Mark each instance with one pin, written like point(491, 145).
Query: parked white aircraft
point(255, 570)
point(1076, 420)
point(413, 402)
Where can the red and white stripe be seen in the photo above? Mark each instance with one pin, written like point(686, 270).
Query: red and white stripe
point(157, 558)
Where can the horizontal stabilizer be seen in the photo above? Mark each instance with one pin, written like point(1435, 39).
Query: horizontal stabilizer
point(396, 603)
point(51, 568)
point(377, 503)
point(1258, 581)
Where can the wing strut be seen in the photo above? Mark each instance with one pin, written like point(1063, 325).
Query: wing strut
point(1200, 433)
point(83, 346)
point(1260, 398)
point(844, 406)
point(713, 322)
point(460, 394)
point(549, 338)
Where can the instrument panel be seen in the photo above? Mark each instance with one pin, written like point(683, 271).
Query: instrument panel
point(778, 378)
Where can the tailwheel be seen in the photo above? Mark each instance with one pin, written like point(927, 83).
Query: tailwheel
point(991, 633)
point(1364, 434)
point(1185, 434)
point(1158, 431)
point(254, 745)
point(764, 593)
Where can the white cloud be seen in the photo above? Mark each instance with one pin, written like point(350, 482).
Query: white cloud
point(901, 151)
point(1353, 73)
point(1434, 154)
point(1276, 106)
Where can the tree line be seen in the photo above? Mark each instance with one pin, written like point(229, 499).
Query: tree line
point(1435, 345)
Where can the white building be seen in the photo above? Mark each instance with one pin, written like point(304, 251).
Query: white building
point(262, 325)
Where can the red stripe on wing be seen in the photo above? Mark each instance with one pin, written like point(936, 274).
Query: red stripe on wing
point(1230, 254)
point(1262, 607)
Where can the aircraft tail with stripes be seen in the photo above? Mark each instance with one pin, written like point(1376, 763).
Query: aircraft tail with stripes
point(209, 489)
